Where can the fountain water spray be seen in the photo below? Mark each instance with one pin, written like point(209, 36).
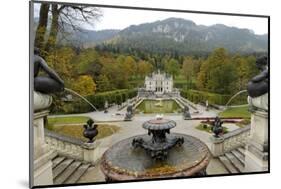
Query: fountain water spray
point(77, 94)
point(240, 92)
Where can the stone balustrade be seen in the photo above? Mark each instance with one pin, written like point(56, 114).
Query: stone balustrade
point(236, 138)
point(230, 141)
point(71, 147)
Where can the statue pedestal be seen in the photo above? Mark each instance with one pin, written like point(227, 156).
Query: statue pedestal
point(256, 155)
point(42, 156)
point(90, 152)
point(217, 147)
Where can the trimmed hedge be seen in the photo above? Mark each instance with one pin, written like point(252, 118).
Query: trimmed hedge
point(98, 100)
point(213, 98)
point(117, 96)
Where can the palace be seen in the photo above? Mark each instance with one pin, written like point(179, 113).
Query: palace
point(159, 83)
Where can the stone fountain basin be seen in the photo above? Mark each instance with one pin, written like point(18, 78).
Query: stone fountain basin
point(122, 162)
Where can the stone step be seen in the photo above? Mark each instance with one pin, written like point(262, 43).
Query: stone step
point(241, 150)
point(61, 167)
point(239, 156)
point(235, 162)
point(67, 172)
point(57, 160)
point(227, 164)
point(77, 174)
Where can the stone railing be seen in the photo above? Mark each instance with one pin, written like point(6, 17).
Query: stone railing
point(71, 147)
point(236, 138)
point(230, 141)
point(191, 104)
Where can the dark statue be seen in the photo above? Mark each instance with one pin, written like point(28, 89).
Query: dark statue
point(217, 127)
point(186, 113)
point(129, 113)
point(49, 83)
point(90, 131)
point(258, 85)
point(159, 145)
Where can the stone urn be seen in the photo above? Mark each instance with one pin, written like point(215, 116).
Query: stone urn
point(90, 130)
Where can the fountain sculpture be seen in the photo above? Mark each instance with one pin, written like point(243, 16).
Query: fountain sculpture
point(217, 127)
point(157, 147)
point(129, 113)
point(186, 113)
point(162, 155)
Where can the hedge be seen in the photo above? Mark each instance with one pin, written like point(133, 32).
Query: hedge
point(98, 100)
point(213, 98)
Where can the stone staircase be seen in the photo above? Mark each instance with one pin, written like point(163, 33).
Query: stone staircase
point(68, 170)
point(233, 160)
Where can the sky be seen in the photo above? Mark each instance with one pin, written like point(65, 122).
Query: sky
point(121, 18)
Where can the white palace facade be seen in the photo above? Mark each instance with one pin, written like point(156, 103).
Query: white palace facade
point(159, 83)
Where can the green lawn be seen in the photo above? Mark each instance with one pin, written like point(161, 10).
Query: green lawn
point(76, 131)
point(156, 106)
point(67, 120)
point(236, 112)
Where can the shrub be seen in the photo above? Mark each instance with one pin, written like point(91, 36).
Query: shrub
point(213, 98)
point(98, 100)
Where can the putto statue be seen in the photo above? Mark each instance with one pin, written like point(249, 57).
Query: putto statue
point(129, 113)
point(258, 87)
point(49, 83)
point(217, 127)
point(186, 113)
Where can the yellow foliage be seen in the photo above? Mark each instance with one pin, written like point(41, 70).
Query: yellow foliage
point(84, 85)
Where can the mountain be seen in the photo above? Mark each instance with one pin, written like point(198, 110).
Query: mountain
point(172, 35)
point(89, 38)
point(84, 37)
point(184, 36)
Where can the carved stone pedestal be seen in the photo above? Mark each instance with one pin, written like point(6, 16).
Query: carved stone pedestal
point(217, 147)
point(256, 155)
point(90, 152)
point(42, 164)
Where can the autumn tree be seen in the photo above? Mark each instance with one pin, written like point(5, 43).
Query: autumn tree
point(42, 26)
point(88, 62)
point(62, 16)
point(188, 69)
point(172, 67)
point(245, 70)
point(103, 83)
point(217, 74)
point(61, 61)
point(144, 68)
point(129, 66)
point(84, 85)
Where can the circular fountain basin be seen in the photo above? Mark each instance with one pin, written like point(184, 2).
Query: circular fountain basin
point(123, 162)
point(159, 124)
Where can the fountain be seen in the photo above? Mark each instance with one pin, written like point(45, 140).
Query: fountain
point(162, 155)
point(234, 96)
point(159, 104)
point(83, 98)
point(217, 127)
point(129, 113)
point(186, 113)
point(157, 147)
